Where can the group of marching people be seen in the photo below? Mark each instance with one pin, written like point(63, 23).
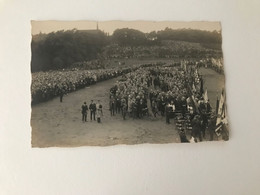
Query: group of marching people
point(156, 86)
point(129, 95)
point(166, 91)
point(201, 119)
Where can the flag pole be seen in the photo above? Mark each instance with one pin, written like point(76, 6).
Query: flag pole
point(217, 104)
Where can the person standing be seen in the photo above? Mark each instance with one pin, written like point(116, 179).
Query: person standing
point(84, 111)
point(163, 105)
point(154, 108)
point(204, 123)
point(92, 108)
point(99, 111)
point(112, 106)
point(212, 126)
point(196, 126)
point(118, 105)
point(124, 108)
point(183, 106)
point(167, 111)
point(61, 93)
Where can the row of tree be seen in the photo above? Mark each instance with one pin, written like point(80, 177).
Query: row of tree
point(60, 49)
point(132, 37)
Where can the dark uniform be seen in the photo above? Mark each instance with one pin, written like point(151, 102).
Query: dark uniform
point(211, 128)
point(61, 93)
point(84, 109)
point(92, 108)
point(204, 123)
point(196, 128)
point(112, 105)
point(162, 105)
point(118, 105)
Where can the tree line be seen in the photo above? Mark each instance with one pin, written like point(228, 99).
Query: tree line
point(60, 49)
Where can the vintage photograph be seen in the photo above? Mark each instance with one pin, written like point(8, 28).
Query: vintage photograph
point(103, 83)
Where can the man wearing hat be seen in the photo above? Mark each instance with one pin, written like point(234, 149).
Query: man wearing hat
point(92, 108)
point(84, 109)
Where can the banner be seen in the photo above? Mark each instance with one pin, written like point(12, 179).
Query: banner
point(221, 114)
point(205, 96)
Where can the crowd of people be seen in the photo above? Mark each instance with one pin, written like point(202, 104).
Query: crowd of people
point(46, 85)
point(167, 49)
point(164, 91)
point(129, 94)
point(213, 63)
point(89, 65)
point(167, 90)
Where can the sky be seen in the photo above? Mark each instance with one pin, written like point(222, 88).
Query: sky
point(110, 26)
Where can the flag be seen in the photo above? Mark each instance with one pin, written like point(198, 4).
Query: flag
point(195, 104)
point(205, 96)
point(217, 104)
point(221, 114)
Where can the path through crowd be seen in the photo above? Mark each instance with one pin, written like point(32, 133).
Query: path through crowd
point(59, 124)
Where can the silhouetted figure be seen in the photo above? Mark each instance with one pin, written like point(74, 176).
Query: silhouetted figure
point(92, 108)
point(84, 109)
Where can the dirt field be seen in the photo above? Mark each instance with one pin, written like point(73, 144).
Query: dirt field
point(59, 124)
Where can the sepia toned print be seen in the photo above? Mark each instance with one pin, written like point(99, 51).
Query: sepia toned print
point(115, 82)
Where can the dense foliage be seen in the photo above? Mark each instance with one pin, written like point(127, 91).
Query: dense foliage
point(60, 49)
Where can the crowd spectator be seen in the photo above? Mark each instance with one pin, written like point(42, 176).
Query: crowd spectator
point(46, 85)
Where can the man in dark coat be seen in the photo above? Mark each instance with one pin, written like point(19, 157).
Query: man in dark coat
point(168, 110)
point(112, 105)
point(92, 108)
point(162, 105)
point(124, 108)
point(183, 106)
point(84, 109)
point(118, 105)
point(204, 123)
point(61, 93)
point(196, 126)
point(212, 127)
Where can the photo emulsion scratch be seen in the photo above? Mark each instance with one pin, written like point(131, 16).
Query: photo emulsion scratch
point(115, 82)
